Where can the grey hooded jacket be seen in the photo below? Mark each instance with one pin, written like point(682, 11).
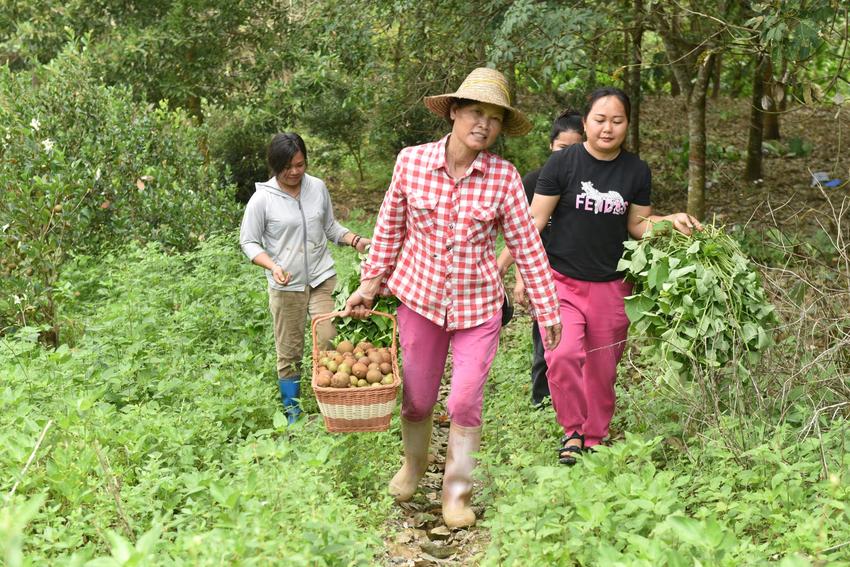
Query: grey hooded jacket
point(293, 231)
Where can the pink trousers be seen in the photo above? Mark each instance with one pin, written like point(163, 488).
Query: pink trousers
point(424, 348)
point(583, 368)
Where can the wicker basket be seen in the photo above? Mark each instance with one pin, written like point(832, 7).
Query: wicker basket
point(357, 409)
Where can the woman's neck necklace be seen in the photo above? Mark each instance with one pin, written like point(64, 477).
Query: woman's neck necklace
point(599, 155)
point(292, 192)
point(458, 161)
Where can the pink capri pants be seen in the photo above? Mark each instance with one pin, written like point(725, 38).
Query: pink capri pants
point(424, 348)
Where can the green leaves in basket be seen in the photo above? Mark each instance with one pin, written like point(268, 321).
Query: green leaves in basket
point(376, 330)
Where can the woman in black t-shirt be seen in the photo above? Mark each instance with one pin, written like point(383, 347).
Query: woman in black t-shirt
point(567, 129)
point(597, 195)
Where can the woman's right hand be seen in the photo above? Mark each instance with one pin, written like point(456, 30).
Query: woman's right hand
point(361, 301)
point(281, 276)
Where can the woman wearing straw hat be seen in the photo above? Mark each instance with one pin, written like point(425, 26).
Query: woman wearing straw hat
point(434, 248)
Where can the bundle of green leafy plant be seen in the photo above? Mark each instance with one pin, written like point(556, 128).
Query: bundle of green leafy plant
point(698, 299)
point(376, 330)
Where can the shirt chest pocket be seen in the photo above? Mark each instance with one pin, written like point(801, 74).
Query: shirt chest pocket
point(422, 212)
point(479, 224)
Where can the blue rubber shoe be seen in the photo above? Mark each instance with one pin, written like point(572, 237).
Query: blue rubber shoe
point(290, 390)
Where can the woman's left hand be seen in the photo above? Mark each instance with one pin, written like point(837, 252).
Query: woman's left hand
point(552, 336)
point(362, 245)
point(520, 296)
point(684, 223)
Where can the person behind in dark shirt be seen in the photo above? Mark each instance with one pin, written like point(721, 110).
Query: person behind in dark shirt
point(596, 195)
point(567, 130)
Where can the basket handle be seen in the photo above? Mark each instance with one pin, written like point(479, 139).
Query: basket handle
point(325, 316)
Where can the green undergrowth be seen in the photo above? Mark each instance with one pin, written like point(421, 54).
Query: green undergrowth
point(165, 442)
point(658, 495)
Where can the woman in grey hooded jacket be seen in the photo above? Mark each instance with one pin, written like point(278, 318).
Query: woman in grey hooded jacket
point(286, 228)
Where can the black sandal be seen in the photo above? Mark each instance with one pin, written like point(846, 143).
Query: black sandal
point(567, 453)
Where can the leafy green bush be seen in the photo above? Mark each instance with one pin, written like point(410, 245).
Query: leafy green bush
point(168, 444)
point(656, 495)
point(83, 167)
point(618, 507)
point(697, 300)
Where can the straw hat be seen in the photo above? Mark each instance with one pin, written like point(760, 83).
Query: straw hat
point(484, 85)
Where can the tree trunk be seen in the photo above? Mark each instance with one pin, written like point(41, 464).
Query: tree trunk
point(193, 104)
point(674, 85)
point(715, 76)
point(776, 93)
point(696, 139)
point(696, 90)
point(634, 78)
point(696, 155)
point(753, 168)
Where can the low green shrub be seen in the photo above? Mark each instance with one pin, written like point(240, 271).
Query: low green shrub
point(167, 441)
point(83, 169)
point(656, 495)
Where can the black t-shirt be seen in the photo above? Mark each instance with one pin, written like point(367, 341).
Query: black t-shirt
point(529, 182)
point(589, 224)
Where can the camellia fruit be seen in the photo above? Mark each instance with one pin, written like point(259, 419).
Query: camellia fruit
point(373, 376)
point(359, 370)
point(340, 381)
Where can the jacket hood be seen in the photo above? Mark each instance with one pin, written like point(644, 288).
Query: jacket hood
point(269, 186)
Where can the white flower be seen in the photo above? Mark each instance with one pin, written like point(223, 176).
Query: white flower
point(48, 144)
point(97, 174)
point(35, 124)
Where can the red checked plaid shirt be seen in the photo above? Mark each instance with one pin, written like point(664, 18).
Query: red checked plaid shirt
point(434, 244)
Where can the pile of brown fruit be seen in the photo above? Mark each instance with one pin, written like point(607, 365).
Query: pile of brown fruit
point(354, 366)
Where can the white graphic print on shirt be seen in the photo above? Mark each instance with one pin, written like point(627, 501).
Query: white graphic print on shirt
point(592, 200)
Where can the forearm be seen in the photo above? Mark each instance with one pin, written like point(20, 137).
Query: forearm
point(264, 261)
point(504, 261)
point(350, 238)
point(369, 288)
point(640, 228)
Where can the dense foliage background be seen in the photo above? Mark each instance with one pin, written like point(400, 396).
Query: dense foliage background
point(139, 420)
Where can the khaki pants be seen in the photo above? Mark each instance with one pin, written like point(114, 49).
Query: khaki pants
point(289, 313)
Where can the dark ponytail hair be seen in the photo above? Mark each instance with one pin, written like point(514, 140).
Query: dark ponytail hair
point(568, 121)
point(602, 92)
point(283, 148)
